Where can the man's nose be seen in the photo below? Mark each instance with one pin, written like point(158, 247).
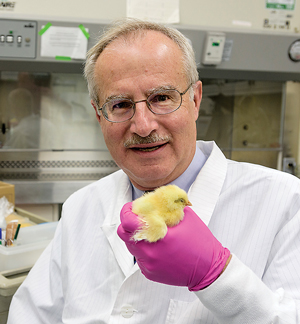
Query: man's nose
point(144, 121)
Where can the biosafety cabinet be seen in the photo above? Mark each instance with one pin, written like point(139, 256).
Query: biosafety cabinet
point(50, 141)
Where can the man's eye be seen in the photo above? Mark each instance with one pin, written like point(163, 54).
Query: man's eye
point(120, 105)
point(160, 98)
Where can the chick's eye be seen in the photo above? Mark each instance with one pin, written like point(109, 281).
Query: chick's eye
point(180, 200)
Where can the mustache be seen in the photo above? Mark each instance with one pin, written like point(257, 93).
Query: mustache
point(152, 138)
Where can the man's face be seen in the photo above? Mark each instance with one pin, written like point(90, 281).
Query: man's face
point(133, 70)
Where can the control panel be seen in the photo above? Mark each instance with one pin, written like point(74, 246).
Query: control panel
point(18, 38)
point(213, 48)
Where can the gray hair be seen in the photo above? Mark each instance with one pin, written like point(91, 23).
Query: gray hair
point(131, 26)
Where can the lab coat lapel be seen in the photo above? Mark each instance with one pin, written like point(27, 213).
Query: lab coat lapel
point(205, 191)
point(111, 223)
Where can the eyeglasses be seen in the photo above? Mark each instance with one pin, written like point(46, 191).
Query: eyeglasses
point(161, 102)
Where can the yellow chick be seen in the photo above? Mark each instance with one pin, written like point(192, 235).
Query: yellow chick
point(158, 210)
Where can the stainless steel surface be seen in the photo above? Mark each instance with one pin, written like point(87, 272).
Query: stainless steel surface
point(42, 177)
point(40, 192)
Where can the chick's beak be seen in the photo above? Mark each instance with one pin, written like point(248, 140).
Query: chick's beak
point(189, 203)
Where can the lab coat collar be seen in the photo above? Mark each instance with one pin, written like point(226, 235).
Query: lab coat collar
point(122, 195)
point(205, 191)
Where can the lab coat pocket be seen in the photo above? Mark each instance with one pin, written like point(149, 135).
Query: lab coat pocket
point(184, 312)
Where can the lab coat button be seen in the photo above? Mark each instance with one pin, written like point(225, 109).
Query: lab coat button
point(127, 311)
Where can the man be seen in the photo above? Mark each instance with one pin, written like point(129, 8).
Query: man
point(144, 87)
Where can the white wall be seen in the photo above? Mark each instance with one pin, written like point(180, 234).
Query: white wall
point(223, 13)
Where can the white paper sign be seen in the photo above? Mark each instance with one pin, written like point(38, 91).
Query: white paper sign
point(162, 11)
point(64, 42)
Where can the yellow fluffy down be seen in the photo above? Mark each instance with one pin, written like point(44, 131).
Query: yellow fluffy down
point(158, 210)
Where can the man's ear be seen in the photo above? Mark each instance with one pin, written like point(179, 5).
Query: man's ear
point(96, 110)
point(197, 97)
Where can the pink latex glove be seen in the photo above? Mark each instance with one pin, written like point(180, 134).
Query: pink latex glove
point(189, 255)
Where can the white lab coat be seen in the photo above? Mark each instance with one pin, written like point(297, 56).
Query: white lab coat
point(87, 276)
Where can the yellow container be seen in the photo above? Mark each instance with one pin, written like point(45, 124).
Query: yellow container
point(7, 190)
